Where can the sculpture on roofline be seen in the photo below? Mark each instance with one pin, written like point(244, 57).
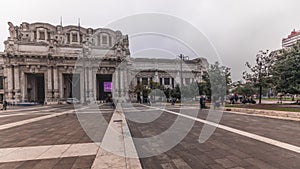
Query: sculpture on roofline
point(12, 31)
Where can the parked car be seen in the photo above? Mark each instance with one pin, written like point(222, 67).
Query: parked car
point(72, 101)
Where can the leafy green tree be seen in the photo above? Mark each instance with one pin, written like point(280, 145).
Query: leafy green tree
point(260, 74)
point(175, 93)
point(286, 71)
point(204, 86)
point(245, 89)
point(219, 78)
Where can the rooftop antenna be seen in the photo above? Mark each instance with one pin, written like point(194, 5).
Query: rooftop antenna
point(79, 24)
point(61, 21)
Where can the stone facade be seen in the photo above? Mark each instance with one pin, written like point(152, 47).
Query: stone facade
point(46, 63)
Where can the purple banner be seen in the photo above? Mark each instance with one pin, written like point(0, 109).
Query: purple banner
point(107, 86)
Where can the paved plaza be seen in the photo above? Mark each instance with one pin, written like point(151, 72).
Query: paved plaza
point(55, 136)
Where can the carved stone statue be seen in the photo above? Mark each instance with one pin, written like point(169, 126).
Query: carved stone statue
point(12, 31)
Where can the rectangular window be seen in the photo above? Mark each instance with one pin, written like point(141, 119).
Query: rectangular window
point(74, 37)
point(68, 37)
point(34, 35)
point(187, 81)
point(167, 81)
point(138, 80)
point(49, 37)
point(145, 81)
point(1, 82)
point(81, 38)
point(160, 81)
point(104, 39)
point(42, 35)
point(173, 83)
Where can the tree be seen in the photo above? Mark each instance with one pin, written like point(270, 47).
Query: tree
point(175, 93)
point(245, 89)
point(219, 79)
point(286, 70)
point(204, 86)
point(260, 73)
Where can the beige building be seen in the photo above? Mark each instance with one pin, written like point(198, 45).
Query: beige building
point(46, 63)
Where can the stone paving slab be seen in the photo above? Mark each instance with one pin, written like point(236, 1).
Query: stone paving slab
point(64, 129)
point(222, 150)
point(16, 118)
point(269, 127)
point(283, 114)
point(117, 146)
point(19, 123)
point(82, 162)
point(47, 152)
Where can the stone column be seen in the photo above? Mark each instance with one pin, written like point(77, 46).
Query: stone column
point(95, 84)
point(9, 82)
point(177, 79)
point(82, 87)
point(49, 83)
point(121, 84)
point(90, 73)
point(24, 86)
point(55, 83)
point(116, 84)
point(89, 84)
point(126, 79)
point(46, 34)
point(61, 91)
point(156, 79)
point(17, 83)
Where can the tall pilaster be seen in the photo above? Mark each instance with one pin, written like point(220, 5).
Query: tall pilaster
point(90, 84)
point(55, 83)
point(116, 84)
point(82, 94)
point(61, 91)
point(121, 83)
point(9, 82)
point(24, 85)
point(17, 83)
point(49, 83)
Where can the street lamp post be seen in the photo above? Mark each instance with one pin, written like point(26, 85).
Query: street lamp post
point(182, 58)
point(260, 82)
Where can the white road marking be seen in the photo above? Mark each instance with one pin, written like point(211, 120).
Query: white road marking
point(29, 113)
point(19, 123)
point(240, 132)
point(47, 152)
point(23, 109)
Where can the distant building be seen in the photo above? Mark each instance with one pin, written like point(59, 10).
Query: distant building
point(46, 63)
point(291, 39)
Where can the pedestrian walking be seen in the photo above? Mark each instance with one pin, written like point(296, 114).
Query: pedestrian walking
point(202, 102)
point(4, 105)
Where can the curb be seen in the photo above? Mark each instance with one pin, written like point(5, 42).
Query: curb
point(117, 139)
point(267, 113)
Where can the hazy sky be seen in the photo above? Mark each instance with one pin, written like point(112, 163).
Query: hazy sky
point(237, 28)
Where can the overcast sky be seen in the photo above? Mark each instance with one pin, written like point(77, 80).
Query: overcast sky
point(237, 28)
